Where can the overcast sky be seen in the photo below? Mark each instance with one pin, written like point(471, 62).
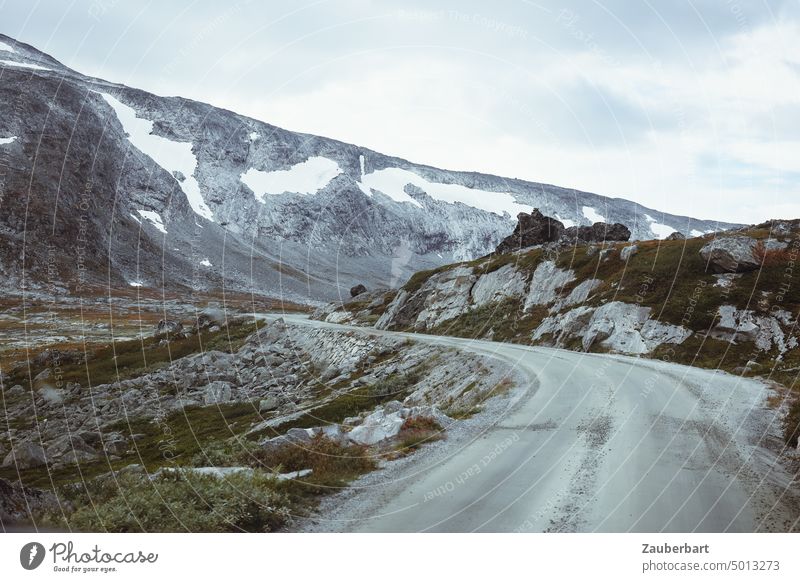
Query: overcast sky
point(688, 107)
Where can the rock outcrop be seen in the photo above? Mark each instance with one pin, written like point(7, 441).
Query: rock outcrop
point(505, 282)
point(537, 229)
point(598, 232)
point(737, 325)
point(25, 455)
point(532, 229)
point(621, 327)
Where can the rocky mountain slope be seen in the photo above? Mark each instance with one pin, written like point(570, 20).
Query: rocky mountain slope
point(104, 184)
point(726, 301)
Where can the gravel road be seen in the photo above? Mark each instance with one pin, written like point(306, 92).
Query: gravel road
point(589, 442)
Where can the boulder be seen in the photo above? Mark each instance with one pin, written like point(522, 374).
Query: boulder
point(70, 449)
point(676, 236)
point(115, 444)
point(731, 254)
point(628, 252)
point(25, 455)
point(532, 229)
point(268, 404)
point(377, 427)
point(357, 290)
point(169, 326)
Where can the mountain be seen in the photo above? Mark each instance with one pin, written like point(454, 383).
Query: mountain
point(107, 186)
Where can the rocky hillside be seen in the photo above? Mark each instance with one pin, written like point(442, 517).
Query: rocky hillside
point(162, 399)
point(728, 301)
point(109, 185)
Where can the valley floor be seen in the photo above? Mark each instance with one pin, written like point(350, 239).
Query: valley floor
point(592, 443)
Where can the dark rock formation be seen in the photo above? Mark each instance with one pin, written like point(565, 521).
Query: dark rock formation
point(532, 229)
point(357, 290)
point(677, 235)
point(537, 229)
point(598, 232)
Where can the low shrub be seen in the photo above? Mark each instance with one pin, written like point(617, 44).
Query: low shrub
point(332, 464)
point(418, 431)
point(177, 502)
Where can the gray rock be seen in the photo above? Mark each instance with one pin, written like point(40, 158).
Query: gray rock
point(393, 406)
point(169, 326)
point(15, 390)
point(43, 379)
point(546, 284)
point(505, 282)
point(268, 404)
point(677, 235)
point(357, 290)
point(376, 427)
point(731, 254)
point(627, 252)
point(217, 393)
point(25, 455)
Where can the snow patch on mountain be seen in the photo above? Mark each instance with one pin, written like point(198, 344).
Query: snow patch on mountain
point(660, 230)
point(254, 135)
point(153, 218)
point(173, 156)
point(8, 140)
point(393, 181)
point(205, 263)
point(592, 215)
point(307, 177)
point(565, 221)
point(18, 65)
point(7, 48)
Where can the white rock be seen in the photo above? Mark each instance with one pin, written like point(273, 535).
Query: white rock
point(505, 282)
point(627, 252)
point(578, 295)
point(385, 320)
point(447, 296)
point(546, 284)
point(376, 427)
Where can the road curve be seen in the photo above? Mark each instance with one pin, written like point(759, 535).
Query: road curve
point(600, 443)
